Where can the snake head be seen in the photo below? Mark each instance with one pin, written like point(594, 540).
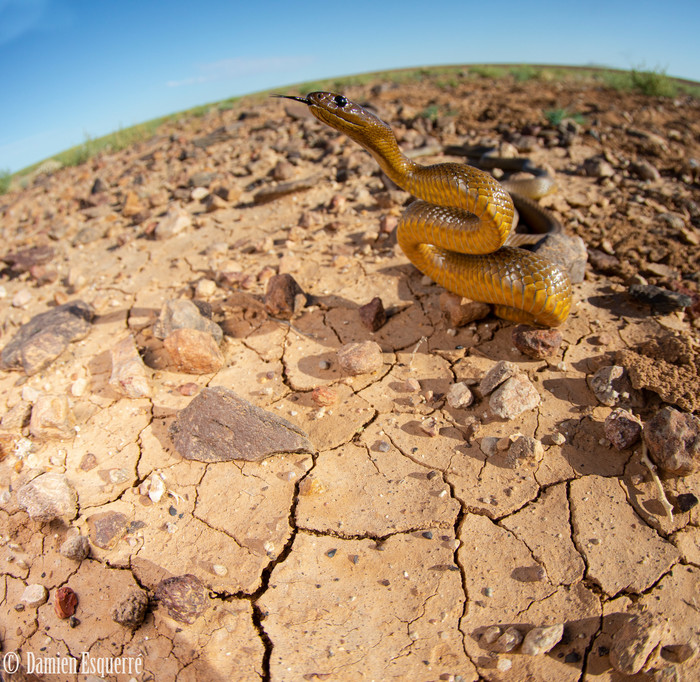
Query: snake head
point(340, 113)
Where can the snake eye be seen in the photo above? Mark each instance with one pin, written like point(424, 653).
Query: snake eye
point(340, 100)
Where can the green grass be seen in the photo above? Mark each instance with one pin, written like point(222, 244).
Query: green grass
point(431, 112)
point(5, 180)
point(525, 73)
point(556, 116)
point(653, 83)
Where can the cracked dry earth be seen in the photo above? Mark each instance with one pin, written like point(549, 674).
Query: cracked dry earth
point(394, 548)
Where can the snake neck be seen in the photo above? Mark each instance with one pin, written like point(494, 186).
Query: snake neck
point(444, 184)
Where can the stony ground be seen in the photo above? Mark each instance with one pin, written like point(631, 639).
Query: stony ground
point(420, 536)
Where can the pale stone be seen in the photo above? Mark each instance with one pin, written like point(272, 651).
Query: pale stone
point(47, 497)
point(52, 418)
point(35, 595)
point(129, 374)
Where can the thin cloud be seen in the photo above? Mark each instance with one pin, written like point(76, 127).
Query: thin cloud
point(17, 17)
point(227, 69)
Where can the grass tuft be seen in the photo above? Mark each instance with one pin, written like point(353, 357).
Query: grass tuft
point(5, 181)
point(556, 116)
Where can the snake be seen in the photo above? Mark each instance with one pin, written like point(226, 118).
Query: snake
point(459, 230)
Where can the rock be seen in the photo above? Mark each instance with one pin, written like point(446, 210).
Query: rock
point(41, 340)
point(131, 611)
point(34, 595)
point(360, 358)
point(679, 653)
point(537, 343)
point(673, 438)
point(524, 449)
point(501, 371)
point(184, 597)
point(199, 193)
point(48, 496)
point(598, 167)
point(219, 426)
point(202, 179)
point(430, 427)
point(205, 288)
point(660, 300)
point(461, 311)
point(132, 205)
point(541, 640)
point(22, 298)
point(183, 314)
point(26, 259)
point(609, 384)
point(76, 547)
point(568, 252)
point(173, 222)
point(283, 171)
point(603, 262)
point(106, 528)
point(686, 501)
point(214, 202)
point(324, 396)
point(634, 642)
point(622, 428)
point(373, 315)
point(459, 395)
point(52, 418)
point(193, 351)
point(284, 297)
point(65, 602)
point(98, 186)
point(277, 191)
point(507, 641)
point(129, 375)
point(515, 396)
point(644, 170)
point(490, 635)
point(18, 416)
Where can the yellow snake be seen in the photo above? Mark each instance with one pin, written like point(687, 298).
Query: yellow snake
point(455, 232)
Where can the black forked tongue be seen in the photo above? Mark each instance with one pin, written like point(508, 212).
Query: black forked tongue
point(296, 99)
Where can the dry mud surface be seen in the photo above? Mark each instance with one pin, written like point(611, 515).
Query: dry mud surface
point(415, 541)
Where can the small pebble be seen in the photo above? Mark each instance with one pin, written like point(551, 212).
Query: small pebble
point(686, 501)
point(76, 547)
point(188, 389)
point(622, 428)
point(515, 396)
point(459, 395)
point(541, 640)
point(373, 315)
point(673, 438)
point(131, 611)
point(537, 343)
point(35, 595)
point(324, 396)
point(558, 438)
point(430, 427)
point(65, 602)
point(360, 358)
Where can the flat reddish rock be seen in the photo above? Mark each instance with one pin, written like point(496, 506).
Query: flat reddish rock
point(219, 426)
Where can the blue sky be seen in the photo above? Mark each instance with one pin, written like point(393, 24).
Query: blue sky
point(73, 68)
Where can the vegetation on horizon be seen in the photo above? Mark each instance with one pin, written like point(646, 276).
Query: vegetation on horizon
point(653, 83)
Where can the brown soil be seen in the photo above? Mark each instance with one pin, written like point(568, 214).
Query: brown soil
point(389, 552)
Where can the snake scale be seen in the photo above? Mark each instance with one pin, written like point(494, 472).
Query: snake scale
point(456, 230)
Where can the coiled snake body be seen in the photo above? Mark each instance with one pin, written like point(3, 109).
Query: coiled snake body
point(455, 232)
